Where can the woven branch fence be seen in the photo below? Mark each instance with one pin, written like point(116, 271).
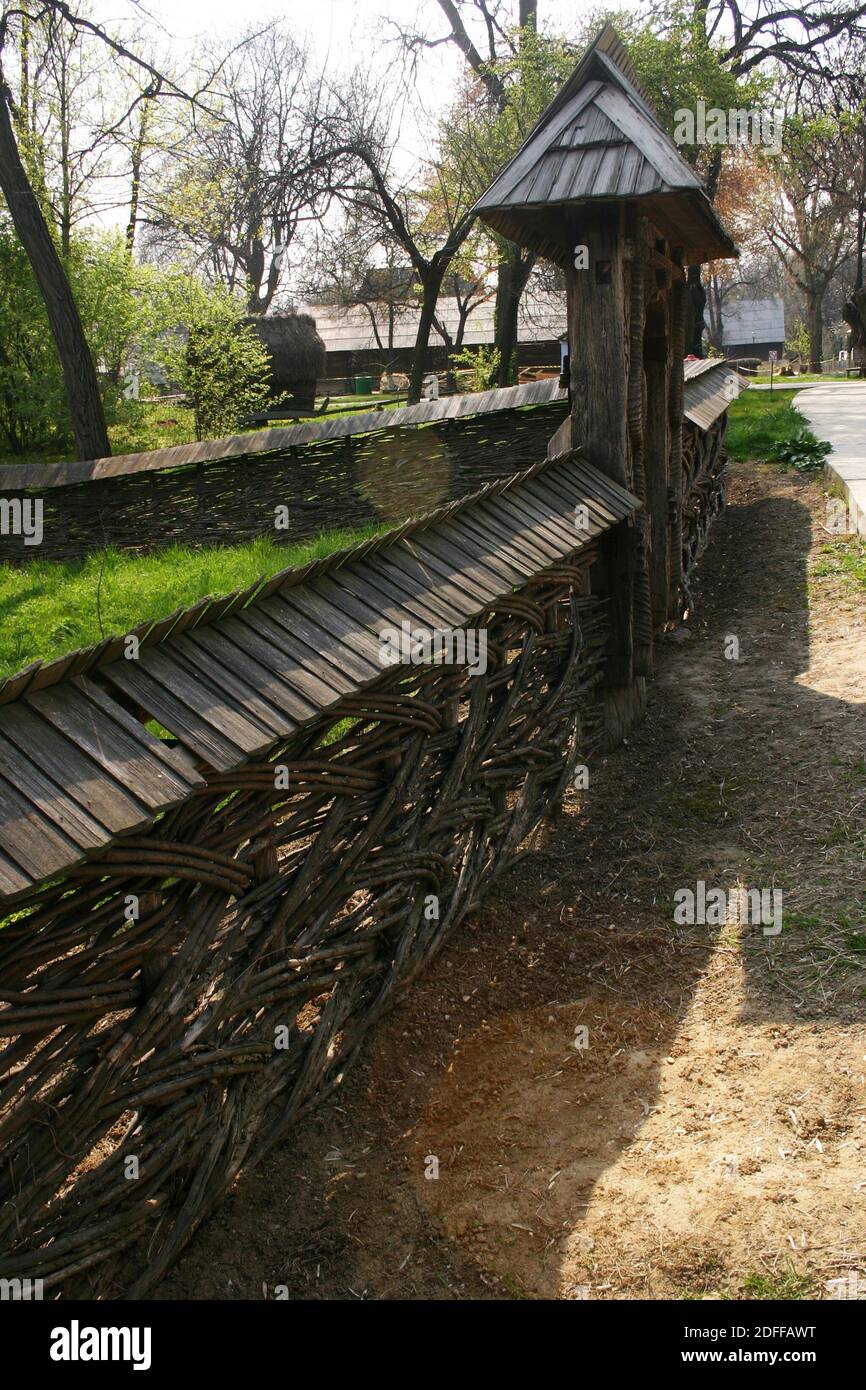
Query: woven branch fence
point(340, 480)
point(703, 491)
point(147, 1056)
point(343, 473)
point(146, 1060)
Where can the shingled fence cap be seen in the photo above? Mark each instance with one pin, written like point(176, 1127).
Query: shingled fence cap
point(600, 141)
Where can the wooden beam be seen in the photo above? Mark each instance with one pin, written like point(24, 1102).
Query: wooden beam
point(599, 299)
point(675, 416)
point(657, 362)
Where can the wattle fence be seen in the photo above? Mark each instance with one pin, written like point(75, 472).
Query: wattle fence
point(206, 927)
point(323, 475)
point(202, 926)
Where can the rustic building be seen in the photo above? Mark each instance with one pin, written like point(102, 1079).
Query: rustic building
point(754, 328)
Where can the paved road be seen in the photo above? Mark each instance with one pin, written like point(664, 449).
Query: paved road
point(840, 417)
point(789, 384)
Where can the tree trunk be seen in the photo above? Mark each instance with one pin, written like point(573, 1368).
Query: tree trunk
point(66, 184)
point(715, 326)
point(79, 372)
point(463, 312)
point(861, 211)
point(815, 329)
point(137, 161)
point(451, 346)
point(696, 299)
point(514, 268)
point(430, 293)
point(513, 273)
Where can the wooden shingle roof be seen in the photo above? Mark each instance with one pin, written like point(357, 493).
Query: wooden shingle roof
point(278, 438)
point(232, 677)
point(600, 140)
point(711, 383)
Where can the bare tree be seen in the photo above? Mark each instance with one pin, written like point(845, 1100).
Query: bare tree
point(469, 293)
point(357, 264)
point(246, 178)
point(495, 20)
point(843, 100)
point(810, 226)
point(429, 217)
point(140, 142)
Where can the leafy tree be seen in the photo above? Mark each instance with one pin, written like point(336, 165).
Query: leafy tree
point(25, 201)
point(733, 55)
point(129, 312)
point(112, 298)
point(743, 186)
point(797, 342)
point(482, 362)
point(32, 401)
point(217, 360)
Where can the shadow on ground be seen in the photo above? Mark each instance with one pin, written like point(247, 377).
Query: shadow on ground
point(705, 1135)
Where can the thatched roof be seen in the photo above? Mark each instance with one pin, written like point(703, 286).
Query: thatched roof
point(297, 352)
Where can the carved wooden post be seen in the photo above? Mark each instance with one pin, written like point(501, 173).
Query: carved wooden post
point(675, 397)
point(599, 188)
point(599, 303)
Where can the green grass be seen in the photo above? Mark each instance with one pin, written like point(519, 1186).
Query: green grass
point(361, 402)
point(805, 921)
point(47, 608)
point(152, 425)
point(144, 425)
point(758, 422)
point(844, 558)
point(763, 378)
point(785, 1286)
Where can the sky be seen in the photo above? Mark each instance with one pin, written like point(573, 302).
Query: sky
point(340, 33)
point(335, 26)
point(339, 30)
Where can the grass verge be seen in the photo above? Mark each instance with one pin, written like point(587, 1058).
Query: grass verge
point(842, 559)
point(146, 425)
point(759, 422)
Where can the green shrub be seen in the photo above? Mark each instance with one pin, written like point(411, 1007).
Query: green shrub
point(803, 451)
point(112, 294)
point(216, 359)
point(483, 362)
point(131, 313)
point(33, 412)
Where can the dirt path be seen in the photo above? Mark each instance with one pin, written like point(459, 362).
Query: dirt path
point(710, 1139)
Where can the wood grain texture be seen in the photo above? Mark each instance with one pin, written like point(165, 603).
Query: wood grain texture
point(265, 907)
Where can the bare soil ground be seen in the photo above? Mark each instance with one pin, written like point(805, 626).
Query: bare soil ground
point(709, 1141)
